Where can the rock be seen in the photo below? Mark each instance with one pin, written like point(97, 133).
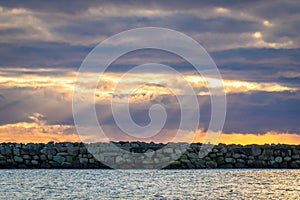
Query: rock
point(256, 151)
point(168, 150)
point(53, 163)
point(73, 151)
point(287, 159)
point(2, 157)
point(220, 160)
point(134, 145)
point(62, 154)
point(236, 156)
point(6, 151)
point(83, 160)
point(294, 165)
point(278, 159)
point(43, 157)
point(66, 165)
point(45, 165)
point(50, 157)
point(284, 165)
point(59, 159)
point(69, 159)
point(26, 157)
point(18, 159)
point(16, 152)
point(22, 166)
point(82, 150)
point(230, 160)
point(296, 157)
point(250, 163)
point(35, 162)
point(240, 161)
point(296, 151)
point(266, 154)
point(240, 165)
point(119, 160)
point(211, 164)
point(176, 163)
point(193, 156)
point(227, 166)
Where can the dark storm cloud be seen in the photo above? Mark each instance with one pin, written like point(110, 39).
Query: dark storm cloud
point(262, 111)
point(256, 112)
point(42, 55)
point(20, 103)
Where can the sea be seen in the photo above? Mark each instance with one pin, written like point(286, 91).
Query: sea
point(150, 184)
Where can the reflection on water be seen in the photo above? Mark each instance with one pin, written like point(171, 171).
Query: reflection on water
point(149, 184)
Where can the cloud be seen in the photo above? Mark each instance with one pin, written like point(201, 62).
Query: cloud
point(90, 22)
point(37, 131)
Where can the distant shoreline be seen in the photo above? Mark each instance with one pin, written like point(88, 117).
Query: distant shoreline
point(141, 155)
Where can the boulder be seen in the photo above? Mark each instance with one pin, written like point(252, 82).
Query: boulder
point(59, 159)
point(18, 159)
point(278, 159)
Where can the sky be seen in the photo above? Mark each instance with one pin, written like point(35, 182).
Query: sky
point(255, 45)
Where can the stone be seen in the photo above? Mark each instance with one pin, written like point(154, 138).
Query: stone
point(26, 157)
point(16, 152)
point(230, 160)
point(294, 165)
point(240, 161)
point(256, 151)
point(278, 159)
point(2, 157)
point(236, 156)
point(53, 163)
point(36, 157)
point(211, 164)
point(69, 159)
point(43, 157)
point(22, 166)
point(296, 157)
point(6, 151)
point(83, 160)
point(18, 159)
point(220, 160)
point(59, 159)
point(66, 165)
point(35, 162)
point(73, 151)
point(168, 150)
point(119, 160)
point(134, 145)
point(284, 165)
point(266, 154)
point(62, 154)
point(45, 165)
point(287, 159)
point(82, 150)
point(193, 156)
point(250, 163)
point(240, 165)
point(296, 151)
point(227, 166)
point(50, 156)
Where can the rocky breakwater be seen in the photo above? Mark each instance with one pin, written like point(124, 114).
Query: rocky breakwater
point(80, 156)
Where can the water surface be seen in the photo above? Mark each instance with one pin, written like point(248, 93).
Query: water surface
point(149, 184)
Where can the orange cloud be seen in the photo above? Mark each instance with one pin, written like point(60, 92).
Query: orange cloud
point(251, 138)
point(37, 131)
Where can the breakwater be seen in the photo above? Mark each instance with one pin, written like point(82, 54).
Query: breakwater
point(80, 156)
